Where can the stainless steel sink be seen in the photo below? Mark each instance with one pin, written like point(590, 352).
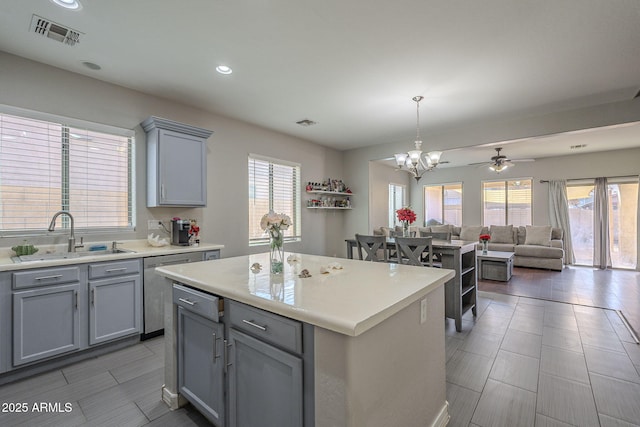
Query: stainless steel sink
point(66, 255)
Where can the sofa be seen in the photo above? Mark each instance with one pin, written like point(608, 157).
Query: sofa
point(534, 246)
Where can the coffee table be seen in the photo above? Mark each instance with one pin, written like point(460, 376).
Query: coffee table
point(495, 265)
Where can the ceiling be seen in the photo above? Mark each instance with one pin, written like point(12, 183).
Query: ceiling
point(353, 66)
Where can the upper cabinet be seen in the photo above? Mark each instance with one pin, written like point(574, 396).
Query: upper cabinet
point(176, 163)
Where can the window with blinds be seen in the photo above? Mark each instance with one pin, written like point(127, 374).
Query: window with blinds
point(47, 166)
point(273, 185)
point(507, 202)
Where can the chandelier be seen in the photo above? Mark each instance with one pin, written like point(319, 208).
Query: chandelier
point(415, 161)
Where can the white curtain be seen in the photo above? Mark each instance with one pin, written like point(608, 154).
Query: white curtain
point(559, 215)
point(601, 250)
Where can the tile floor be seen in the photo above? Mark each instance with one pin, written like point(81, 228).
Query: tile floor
point(614, 289)
point(119, 389)
point(521, 362)
point(531, 362)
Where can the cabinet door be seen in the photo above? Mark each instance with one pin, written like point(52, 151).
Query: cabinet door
point(114, 308)
point(201, 364)
point(182, 169)
point(45, 322)
point(265, 384)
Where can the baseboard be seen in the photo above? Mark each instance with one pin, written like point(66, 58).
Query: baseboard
point(443, 417)
point(173, 400)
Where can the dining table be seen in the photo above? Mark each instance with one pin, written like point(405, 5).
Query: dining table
point(461, 292)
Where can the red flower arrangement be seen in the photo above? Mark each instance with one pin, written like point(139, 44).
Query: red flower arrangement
point(406, 215)
point(485, 237)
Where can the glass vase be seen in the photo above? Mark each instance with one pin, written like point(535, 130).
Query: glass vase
point(276, 251)
point(485, 247)
point(405, 229)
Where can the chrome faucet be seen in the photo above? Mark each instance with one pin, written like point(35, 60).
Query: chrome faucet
point(71, 247)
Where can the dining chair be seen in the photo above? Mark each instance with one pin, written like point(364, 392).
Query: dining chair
point(437, 235)
point(414, 250)
point(373, 246)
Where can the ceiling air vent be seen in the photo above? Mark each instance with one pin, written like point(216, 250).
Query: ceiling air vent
point(305, 122)
point(57, 32)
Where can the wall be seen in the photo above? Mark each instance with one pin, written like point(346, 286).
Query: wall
point(612, 163)
point(380, 176)
point(34, 86)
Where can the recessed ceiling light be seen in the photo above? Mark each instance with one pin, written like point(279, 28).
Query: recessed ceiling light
point(68, 4)
point(223, 69)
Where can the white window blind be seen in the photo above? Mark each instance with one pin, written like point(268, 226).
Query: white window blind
point(273, 185)
point(47, 166)
point(507, 202)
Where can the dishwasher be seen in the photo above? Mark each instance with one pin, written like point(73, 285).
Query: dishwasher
point(152, 288)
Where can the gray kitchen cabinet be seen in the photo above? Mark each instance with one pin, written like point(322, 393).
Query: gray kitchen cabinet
point(265, 372)
point(176, 163)
point(46, 322)
point(201, 365)
point(5, 321)
point(265, 384)
point(201, 361)
point(115, 300)
point(210, 255)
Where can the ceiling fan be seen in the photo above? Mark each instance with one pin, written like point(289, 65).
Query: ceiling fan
point(500, 162)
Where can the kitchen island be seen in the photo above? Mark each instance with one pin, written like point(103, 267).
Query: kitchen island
point(378, 347)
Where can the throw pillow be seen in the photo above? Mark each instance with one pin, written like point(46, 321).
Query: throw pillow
point(470, 233)
point(502, 234)
point(538, 235)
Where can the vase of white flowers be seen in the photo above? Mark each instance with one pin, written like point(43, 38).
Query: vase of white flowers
point(274, 224)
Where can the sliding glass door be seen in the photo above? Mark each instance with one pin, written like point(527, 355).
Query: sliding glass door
point(622, 206)
point(580, 196)
point(623, 222)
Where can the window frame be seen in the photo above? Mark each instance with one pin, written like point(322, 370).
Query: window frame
point(67, 123)
point(296, 219)
point(393, 209)
point(442, 207)
point(506, 202)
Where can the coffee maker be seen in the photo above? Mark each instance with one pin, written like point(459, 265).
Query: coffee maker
point(180, 232)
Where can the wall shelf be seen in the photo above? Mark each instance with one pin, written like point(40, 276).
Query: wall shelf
point(328, 207)
point(334, 193)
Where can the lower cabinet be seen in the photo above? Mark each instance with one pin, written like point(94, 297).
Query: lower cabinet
point(265, 384)
point(115, 300)
point(64, 309)
point(201, 364)
point(239, 365)
point(46, 322)
point(114, 309)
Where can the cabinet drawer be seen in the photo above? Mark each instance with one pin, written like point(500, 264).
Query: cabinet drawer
point(45, 276)
point(112, 269)
point(204, 304)
point(281, 331)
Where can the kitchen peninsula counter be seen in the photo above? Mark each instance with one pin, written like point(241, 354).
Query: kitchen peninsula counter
point(375, 361)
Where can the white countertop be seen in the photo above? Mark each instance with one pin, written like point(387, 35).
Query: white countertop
point(140, 247)
point(348, 301)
